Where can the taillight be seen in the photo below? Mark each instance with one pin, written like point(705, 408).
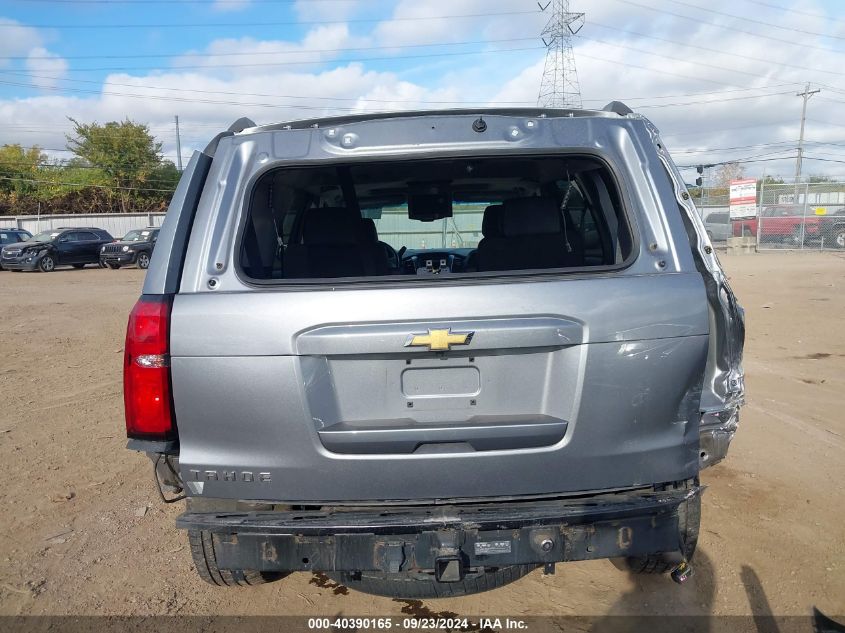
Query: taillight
point(146, 371)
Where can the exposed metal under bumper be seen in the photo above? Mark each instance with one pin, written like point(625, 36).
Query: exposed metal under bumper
point(717, 431)
point(476, 535)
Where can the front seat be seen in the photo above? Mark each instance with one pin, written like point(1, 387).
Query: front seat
point(331, 247)
point(368, 236)
point(532, 237)
point(491, 226)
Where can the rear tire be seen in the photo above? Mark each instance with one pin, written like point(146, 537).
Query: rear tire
point(689, 520)
point(202, 551)
point(423, 586)
point(143, 261)
point(839, 237)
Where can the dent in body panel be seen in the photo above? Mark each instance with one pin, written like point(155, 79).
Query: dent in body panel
point(251, 414)
point(723, 390)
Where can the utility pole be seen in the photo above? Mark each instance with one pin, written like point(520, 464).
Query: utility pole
point(559, 87)
point(806, 95)
point(178, 146)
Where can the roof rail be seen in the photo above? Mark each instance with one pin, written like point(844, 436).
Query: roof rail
point(617, 107)
point(238, 126)
point(241, 124)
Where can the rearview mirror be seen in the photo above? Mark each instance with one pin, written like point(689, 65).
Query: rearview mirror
point(427, 207)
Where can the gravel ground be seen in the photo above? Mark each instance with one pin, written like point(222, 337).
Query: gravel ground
point(84, 533)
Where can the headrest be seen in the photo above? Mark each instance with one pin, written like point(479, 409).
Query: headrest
point(331, 225)
point(491, 225)
point(368, 232)
point(530, 216)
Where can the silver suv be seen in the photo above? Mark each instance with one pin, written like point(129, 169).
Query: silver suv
point(428, 352)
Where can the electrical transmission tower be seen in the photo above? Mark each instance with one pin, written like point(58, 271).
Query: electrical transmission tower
point(559, 87)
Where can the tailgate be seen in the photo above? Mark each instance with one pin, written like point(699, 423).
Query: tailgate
point(540, 387)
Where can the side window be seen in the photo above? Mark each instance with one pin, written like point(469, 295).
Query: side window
point(70, 236)
point(7, 238)
point(85, 236)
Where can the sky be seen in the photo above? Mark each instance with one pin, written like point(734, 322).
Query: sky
point(719, 78)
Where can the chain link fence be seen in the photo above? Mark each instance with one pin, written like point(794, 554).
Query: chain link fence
point(788, 216)
point(804, 216)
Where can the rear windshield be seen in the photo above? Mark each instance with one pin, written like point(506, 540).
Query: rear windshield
point(408, 219)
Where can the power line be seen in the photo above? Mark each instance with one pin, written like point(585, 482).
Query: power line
point(305, 62)
point(365, 100)
point(713, 101)
point(728, 149)
point(322, 108)
point(696, 63)
point(713, 50)
point(755, 21)
point(265, 52)
point(699, 131)
point(824, 160)
point(231, 25)
point(739, 161)
point(788, 10)
point(617, 62)
point(699, 20)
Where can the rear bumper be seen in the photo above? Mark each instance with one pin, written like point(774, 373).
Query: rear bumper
point(408, 539)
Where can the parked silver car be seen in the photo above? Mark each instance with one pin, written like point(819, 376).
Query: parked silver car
point(428, 352)
point(718, 226)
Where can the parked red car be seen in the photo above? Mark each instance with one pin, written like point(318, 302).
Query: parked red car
point(781, 223)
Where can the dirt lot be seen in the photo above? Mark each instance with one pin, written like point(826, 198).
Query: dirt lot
point(83, 530)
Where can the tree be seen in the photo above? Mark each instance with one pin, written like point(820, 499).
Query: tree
point(819, 179)
point(727, 172)
point(126, 153)
point(19, 169)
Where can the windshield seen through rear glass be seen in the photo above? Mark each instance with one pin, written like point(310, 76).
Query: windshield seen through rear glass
point(136, 236)
point(44, 236)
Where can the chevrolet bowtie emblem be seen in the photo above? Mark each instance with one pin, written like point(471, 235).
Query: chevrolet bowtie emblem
point(439, 340)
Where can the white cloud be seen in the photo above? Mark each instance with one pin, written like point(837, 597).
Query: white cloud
point(17, 39)
point(207, 105)
point(46, 69)
point(612, 64)
point(246, 55)
point(413, 23)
